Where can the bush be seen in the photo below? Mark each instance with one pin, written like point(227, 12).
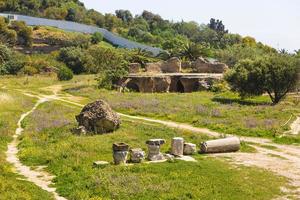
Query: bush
point(29, 70)
point(219, 86)
point(74, 57)
point(96, 38)
point(25, 33)
point(5, 54)
point(64, 74)
point(10, 62)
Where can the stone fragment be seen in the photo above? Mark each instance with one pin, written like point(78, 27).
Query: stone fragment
point(169, 157)
point(154, 149)
point(99, 118)
point(120, 147)
point(153, 67)
point(100, 164)
point(137, 155)
point(189, 148)
point(80, 130)
point(202, 65)
point(120, 157)
point(156, 142)
point(177, 146)
point(173, 65)
point(120, 153)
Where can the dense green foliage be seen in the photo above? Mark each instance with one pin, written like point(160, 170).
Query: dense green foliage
point(96, 38)
point(275, 75)
point(14, 33)
point(24, 33)
point(146, 28)
point(10, 62)
point(64, 74)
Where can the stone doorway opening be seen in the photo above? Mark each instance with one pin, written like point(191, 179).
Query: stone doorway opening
point(179, 87)
point(133, 87)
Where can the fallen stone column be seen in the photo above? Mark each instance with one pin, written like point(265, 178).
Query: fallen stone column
point(154, 149)
point(120, 153)
point(177, 146)
point(230, 144)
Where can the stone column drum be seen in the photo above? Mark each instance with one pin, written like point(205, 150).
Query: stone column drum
point(189, 148)
point(120, 153)
point(177, 146)
point(137, 155)
point(154, 149)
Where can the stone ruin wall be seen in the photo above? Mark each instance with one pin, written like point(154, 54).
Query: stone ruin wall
point(168, 76)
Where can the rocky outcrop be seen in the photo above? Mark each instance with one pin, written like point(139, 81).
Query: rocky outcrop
point(202, 65)
point(99, 118)
point(153, 67)
point(173, 65)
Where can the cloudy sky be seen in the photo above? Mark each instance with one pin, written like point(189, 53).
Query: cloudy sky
point(273, 22)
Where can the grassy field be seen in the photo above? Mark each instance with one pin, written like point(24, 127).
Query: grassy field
point(48, 140)
point(12, 187)
point(223, 112)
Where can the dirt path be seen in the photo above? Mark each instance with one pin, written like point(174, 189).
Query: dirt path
point(295, 127)
point(38, 176)
point(283, 160)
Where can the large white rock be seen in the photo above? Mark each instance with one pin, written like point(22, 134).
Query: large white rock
point(177, 146)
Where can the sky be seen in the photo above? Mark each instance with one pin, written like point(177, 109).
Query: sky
point(273, 22)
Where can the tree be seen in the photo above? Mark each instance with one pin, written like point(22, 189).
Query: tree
point(25, 33)
point(249, 41)
point(7, 36)
point(233, 54)
point(124, 15)
point(280, 76)
point(71, 16)
point(275, 74)
point(192, 51)
point(218, 26)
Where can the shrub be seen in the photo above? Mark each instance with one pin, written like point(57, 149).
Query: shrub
point(30, 70)
point(64, 74)
point(219, 86)
point(5, 54)
point(96, 38)
point(25, 33)
point(74, 57)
